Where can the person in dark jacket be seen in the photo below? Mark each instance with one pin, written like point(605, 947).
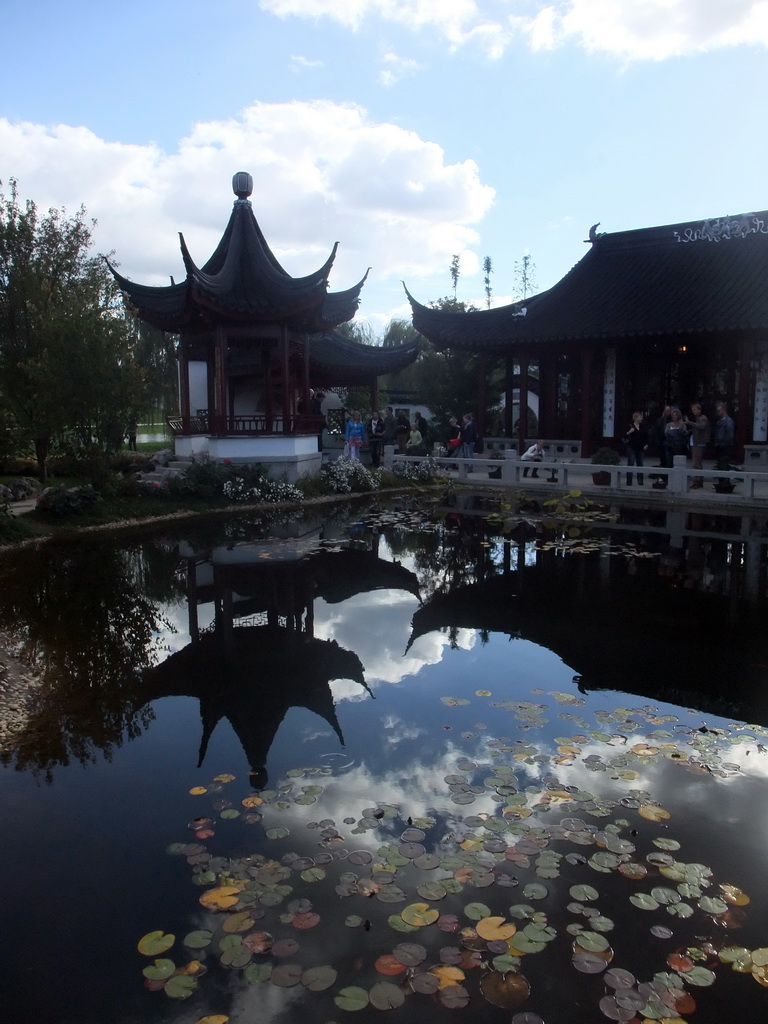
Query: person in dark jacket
point(725, 432)
point(635, 442)
point(468, 436)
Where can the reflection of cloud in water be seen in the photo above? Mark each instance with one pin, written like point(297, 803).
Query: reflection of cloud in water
point(376, 627)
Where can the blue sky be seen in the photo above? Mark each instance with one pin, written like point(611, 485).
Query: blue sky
point(408, 130)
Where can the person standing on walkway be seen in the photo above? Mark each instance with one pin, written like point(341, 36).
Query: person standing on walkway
point(698, 424)
point(725, 433)
point(675, 438)
point(468, 436)
point(355, 434)
point(390, 427)
point(661, 426)
point(375, 430)
point(635, 442)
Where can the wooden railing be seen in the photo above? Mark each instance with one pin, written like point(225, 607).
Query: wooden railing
point(244, 426)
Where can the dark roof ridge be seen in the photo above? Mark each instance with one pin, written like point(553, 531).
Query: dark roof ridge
point(713, 229)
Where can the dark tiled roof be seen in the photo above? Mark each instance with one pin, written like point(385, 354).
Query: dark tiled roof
point(243, 283)
point(678, 279)
point(350, 362)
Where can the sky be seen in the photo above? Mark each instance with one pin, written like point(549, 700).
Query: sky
point(407, 130)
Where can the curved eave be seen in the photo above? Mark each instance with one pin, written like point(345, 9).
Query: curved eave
point(476, 329)
point(166, 307)
point(333, 354)
point(339, 307)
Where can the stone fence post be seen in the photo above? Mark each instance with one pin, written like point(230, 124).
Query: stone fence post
point(389, 456)
point(677, 475)
point(509, 468)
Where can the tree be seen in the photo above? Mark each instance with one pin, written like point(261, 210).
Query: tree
point(42, 262)
point(69, 366)
point(487, 271)
point(455, 272)
point(525, 277)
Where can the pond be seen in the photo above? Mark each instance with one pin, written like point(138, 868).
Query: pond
point(410, 762)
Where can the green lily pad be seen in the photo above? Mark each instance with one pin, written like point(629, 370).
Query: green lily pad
point(198, 939)
point(317, 979)
point(477, 911)
point(180, 986)
point(386, 996)
point(159, 970)
point(258, 973)
point(351, 998)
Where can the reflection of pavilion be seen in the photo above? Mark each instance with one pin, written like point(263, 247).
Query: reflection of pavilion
point(260, 658)
point(634, 634)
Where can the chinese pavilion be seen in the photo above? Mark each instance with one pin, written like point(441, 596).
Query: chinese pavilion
point(252, 341)
point(670, 314)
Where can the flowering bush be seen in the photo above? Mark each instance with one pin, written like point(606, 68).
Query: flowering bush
point(343, 476)
point(425, 471)
point(263, 489)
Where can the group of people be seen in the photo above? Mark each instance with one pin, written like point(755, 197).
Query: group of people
point(677, 434)
point(409, 437)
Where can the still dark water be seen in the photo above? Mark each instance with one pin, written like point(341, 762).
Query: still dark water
point(417, 764)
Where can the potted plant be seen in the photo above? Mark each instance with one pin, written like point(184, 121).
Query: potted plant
point(604, 457)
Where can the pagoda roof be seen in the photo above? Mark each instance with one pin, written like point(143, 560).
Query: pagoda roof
point(693, 278)
point(243, 283)
point(331, 355)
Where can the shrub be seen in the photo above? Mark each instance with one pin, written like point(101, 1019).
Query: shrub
point(344, 476)
point(263, 489)
point(606, 457)
point(11, 529)
point(426, 471)
point(62, 502)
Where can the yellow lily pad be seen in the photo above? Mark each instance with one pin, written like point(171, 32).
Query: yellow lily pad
point(419, 915)
point(495, 929)
point(221, 898)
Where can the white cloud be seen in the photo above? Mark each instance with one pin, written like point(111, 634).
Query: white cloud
point(395, 68)
point(299, 63)
point(322, 172)
point(630, 29)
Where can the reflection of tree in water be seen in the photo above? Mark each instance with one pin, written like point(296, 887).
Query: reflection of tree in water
point(82, 618)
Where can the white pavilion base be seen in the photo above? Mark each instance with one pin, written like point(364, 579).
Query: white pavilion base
point(283, 456)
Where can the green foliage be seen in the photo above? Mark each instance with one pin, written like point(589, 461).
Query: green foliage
point(525, 278)
point(64, 502)
point(487, 271)
point(74, 368)
point(11, 528)
point(606, 457)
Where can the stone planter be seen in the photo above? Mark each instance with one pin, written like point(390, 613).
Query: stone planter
point(601, 479)
point(725, 488)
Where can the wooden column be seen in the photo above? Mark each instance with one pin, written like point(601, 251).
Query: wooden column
point(746, 408)
point(221, 381)
point(482, 369)
point(548, 385)
point(375, 394)
point(184, 382)
point(522, 432)
point(509, 396)
point(266, 356)
point(285, 379)
point(210, 380)
point(586, 402)
point(305, 378)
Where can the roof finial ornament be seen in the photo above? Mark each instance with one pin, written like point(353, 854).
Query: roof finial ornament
point(242, 184)
point(593, 233)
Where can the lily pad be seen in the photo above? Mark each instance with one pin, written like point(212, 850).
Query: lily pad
point(180, 986)
point(154, 943)
point(351, 998)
